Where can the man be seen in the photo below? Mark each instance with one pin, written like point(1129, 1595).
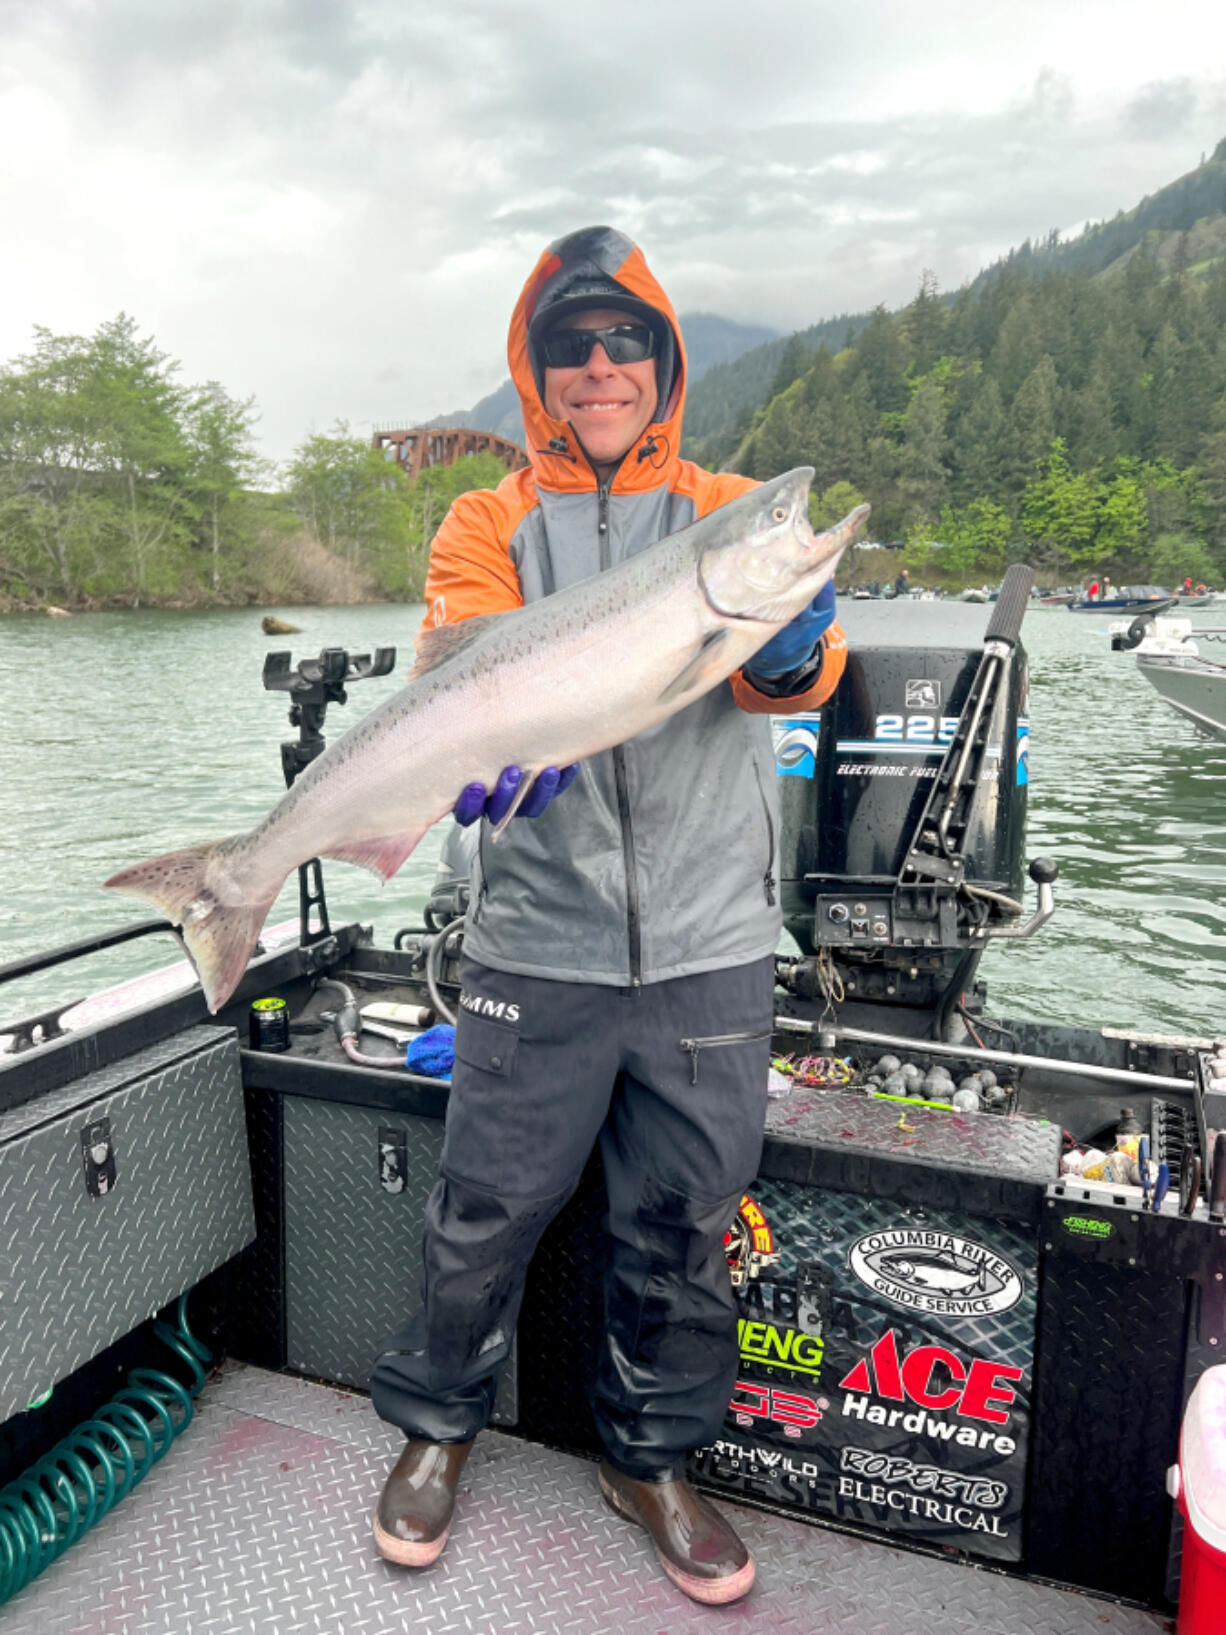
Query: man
point(618, 974)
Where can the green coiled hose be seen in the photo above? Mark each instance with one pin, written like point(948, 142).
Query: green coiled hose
point(86, 1474)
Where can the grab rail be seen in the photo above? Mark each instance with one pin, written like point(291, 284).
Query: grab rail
point(78, 950)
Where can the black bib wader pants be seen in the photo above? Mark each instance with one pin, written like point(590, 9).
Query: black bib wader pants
point(670, 1079)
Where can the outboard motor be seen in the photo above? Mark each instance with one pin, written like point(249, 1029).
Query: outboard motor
point(904, 819)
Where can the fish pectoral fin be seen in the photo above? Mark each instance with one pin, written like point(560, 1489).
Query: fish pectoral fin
point(525, 784)
point(705, 661)
point(383, 855)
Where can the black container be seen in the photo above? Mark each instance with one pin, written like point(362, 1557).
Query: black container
point(268, 1024)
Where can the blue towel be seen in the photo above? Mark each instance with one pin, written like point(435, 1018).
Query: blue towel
point(432, 1052)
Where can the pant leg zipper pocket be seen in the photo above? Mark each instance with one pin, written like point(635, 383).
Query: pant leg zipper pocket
point(714, 1040)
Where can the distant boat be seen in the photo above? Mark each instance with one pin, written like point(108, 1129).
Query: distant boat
point(1171, 661)
point(973, 595)
point(1201, 598)
point(1128, 599)
point(1056, 598)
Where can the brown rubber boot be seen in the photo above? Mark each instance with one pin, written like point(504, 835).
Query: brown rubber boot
point(697, 1548)
point(414, 1513)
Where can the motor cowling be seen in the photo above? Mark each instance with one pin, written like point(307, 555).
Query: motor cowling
point(855, 780)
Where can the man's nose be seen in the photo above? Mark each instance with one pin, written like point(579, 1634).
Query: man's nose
point(598, 361)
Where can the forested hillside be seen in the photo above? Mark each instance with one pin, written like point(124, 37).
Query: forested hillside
point(720, 403)
point(1194, 204)
point(1078, 422)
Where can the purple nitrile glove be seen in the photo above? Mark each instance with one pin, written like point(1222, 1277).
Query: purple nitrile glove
point(790, 647)
point(475, 800)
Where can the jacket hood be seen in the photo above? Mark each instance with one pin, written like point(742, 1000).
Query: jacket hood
point(596, 266)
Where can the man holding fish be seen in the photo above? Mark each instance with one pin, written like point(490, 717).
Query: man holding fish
point(618, 975)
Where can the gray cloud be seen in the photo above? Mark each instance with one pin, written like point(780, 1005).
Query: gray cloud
point(333, 206)
point(1160, 109)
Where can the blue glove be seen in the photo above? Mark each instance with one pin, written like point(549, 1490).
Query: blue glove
point(475, 800)
point(792, 646)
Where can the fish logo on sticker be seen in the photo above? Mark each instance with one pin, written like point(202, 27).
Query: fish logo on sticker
point(929, 1271)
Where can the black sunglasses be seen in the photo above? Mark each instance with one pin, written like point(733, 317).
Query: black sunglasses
point(623, 343)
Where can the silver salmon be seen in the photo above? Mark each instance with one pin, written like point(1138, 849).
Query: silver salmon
point(541, 685)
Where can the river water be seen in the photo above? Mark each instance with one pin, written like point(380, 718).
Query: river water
point(130, 734)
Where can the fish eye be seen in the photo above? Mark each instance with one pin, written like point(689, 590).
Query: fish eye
point(779, 513)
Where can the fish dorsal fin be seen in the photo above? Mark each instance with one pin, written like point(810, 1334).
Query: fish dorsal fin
point(435, 645)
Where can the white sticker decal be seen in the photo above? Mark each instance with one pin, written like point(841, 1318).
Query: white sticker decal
point(936, 1272)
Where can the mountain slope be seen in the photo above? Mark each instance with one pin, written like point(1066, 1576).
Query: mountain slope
point(1194, 204)
point(729, 392)
point(734, 367)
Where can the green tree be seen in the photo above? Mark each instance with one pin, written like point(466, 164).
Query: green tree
point(1211, 469)
point(778, 442)
point(923, 472)
point(1094, 437)
point(401, 564)
point(976, 538)
point(1123, 522)
point(978, 445)
point(222, 463)
point(1174, 558)
point(880, 358)
point(347, 494)
point(92, 460)
point(1031, 423)
point(1019, 346)
point(833, 504)
point(925, 323)
point(1060, 509)
point(793, 362)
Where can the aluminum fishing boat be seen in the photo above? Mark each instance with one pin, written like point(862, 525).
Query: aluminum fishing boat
point(1128, 599)
point(965, 1348)
point(1170, 659)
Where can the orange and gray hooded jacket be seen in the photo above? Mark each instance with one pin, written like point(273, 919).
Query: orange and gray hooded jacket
point(661, 859)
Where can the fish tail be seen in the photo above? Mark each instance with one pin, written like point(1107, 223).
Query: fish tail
point(217, 919)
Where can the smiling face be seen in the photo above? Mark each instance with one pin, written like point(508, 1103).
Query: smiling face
point(609, 405)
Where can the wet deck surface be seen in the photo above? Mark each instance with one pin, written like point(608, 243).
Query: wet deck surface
point(258, 1523)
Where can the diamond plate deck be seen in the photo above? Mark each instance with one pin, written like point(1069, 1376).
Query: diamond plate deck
point(1022, 1149)
point(258, 1523)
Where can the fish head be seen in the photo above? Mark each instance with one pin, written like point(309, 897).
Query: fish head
point(763, 561)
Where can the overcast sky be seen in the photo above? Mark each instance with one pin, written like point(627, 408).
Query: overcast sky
point(332, 206)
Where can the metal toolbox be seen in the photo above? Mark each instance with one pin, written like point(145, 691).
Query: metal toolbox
point(356, 1181)
point(118, 1191)
point(356, 1184)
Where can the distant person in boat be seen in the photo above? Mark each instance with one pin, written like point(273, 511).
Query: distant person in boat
point(619, 956)
point(1092, 592)
point(902, 585)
